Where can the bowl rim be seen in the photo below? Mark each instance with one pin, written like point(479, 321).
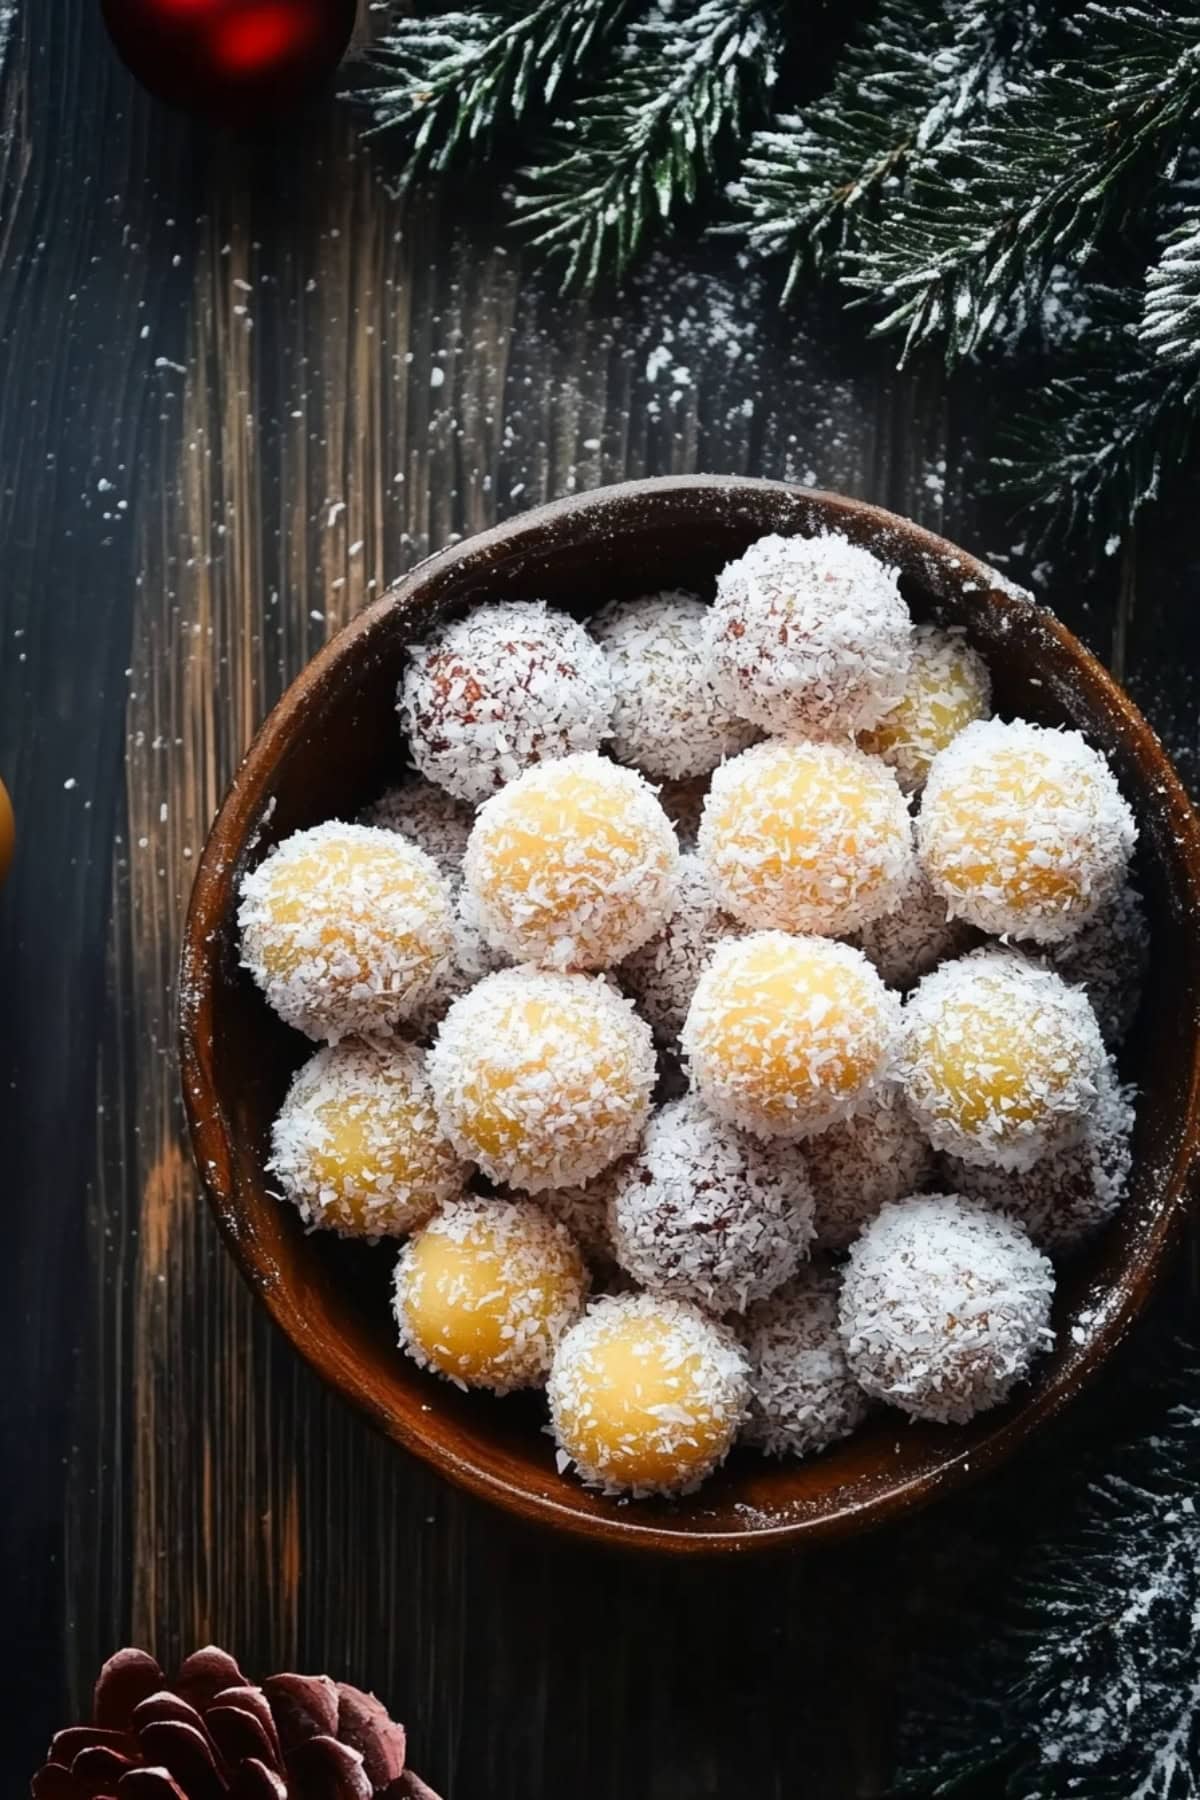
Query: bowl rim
point(240, 815)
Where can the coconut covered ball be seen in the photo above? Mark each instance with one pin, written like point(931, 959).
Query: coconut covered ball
point(1024, 829)
point(668, 719)
point(428, 817)
point(542, 1079)
point(573, 865)
point(484, 1293)
point(944, 1307)
point(785, 1035)
point(646, 1395)
point(585, 1212)
point(916, 936)
point(1109, 958)
point(707, 1214)
point(662, 974)
point(346, 929)
point(508, 686)
point(878, 1154)
point(948, 686)
point(357, 1147)
point(1000, 1060)
point(802, 1395)
point(1072, 1191)
point(806, 837)
point(809, 636)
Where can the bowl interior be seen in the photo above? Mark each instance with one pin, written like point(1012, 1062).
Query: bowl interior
point(333, 744)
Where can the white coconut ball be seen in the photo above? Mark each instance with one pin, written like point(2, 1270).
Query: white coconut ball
point(507, 686)
point(668, 719)
point(876, 1155)
point(948, 686)
point(1109, 958)
point(803, 1396)
point(429, 817)
point(1069, 1193)
point(944, 1307)
point(662, 975)
point(809, 636)
point(917, 935)
point(704, 1213)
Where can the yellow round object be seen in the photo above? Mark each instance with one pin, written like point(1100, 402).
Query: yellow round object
point(346, 928)
point(543, 1079)
point(357, 1146)
point(646, 1395)
point(806, 837)
point(948, 686)
point(1023, 830)
point(484, 1292)
point(8, 831)
point(573, 865)
point(1000, 1058)
point(787, 1034)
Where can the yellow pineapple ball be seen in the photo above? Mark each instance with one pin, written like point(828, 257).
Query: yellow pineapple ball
point(785, 1035)
point(543, 1079)
point(1000, 1060)
point(573, 864)
point(806, 837)
point(485, 1291)
point(646, 1395)
point(948, 686)
point(1024, 830)
point(357, 1146)
point(346, 928)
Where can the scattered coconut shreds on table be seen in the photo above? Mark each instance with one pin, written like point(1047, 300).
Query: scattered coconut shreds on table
point(944, 1307)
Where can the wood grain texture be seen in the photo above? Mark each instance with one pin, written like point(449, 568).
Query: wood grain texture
point(242, 388)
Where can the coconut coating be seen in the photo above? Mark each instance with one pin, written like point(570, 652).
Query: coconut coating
point(948, 686)
point(663, 973)
point(346, 929)
point(706, 1213)
point(1070, 1192)
point(1000, 1060)
point(542, 1079)
point(574, 865)
point(785, 1035)
point(472, 957)
point(944, 1307)
point(878, 1154)
point(803, 1396)
point(1024, 829)
point(918, 935)
point(1109, 958)
point(510, 685)
point(429, 817)
point(809, 636)
point(484, 1293)
point(357, 1146)
point(585, 1212)
point(668, 719)
point(646, 1395)
point(806, 837)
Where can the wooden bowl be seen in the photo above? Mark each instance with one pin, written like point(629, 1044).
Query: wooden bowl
point(329, 747)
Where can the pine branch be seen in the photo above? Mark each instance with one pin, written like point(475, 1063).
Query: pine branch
point(1037, 180)
point(1094, 451)
point(453, 82)
point(1088, 1680)
point(1171, 319)
point(643, 143)
point(920, 72)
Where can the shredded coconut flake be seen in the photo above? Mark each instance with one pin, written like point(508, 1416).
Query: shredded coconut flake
point(668, 720)
point(916, 935)
point(876, 1155)
point(430, 818)
point(944, 1307)
point(803, 1396)
point(809, 635)
point(662, 974)
point(507, 686)
point(1109, 958)
point(948, 686)
point(707, 1214)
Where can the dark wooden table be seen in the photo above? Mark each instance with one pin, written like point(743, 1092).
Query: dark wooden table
point(242, 388)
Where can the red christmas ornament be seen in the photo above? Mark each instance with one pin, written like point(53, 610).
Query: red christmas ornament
point(234, 59)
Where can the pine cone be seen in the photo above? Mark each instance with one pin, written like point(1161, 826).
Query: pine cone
point(210, 1735)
